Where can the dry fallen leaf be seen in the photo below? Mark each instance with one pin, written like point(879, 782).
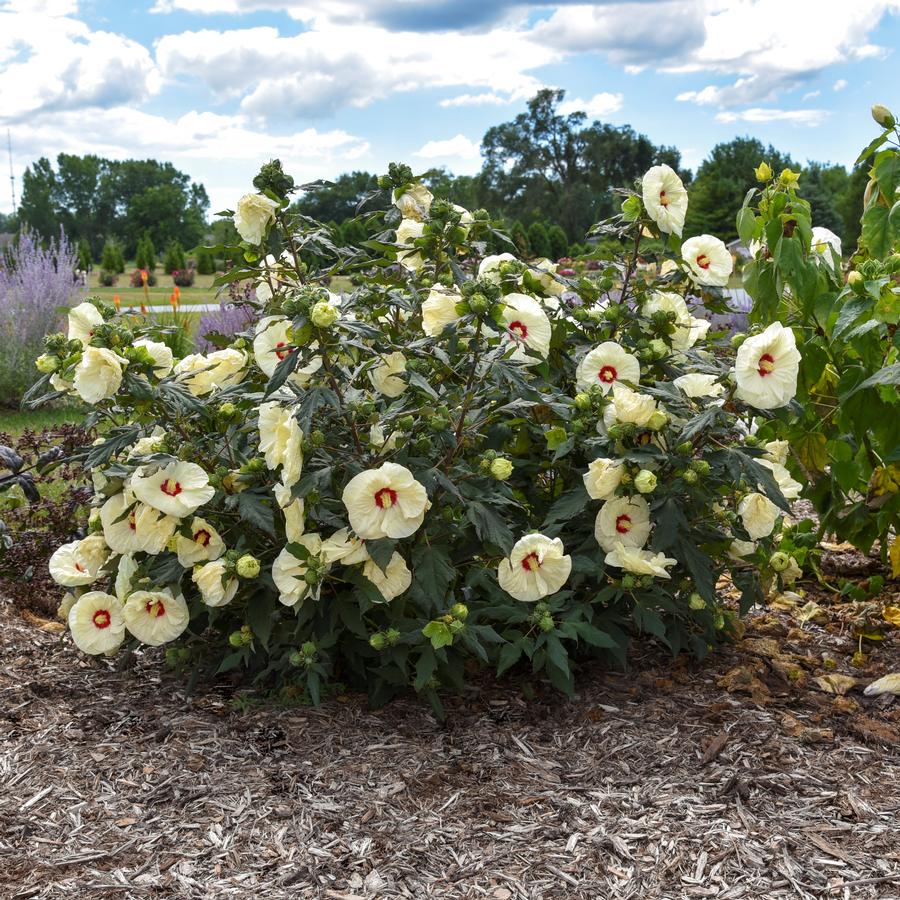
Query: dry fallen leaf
point(42, 623)
point(894, 554)
point(835, 684)
point(887, 684)
point(787, 600)
point(891, 615)
point(812, 612)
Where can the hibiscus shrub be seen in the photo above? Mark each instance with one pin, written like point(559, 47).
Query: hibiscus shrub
point(459, 461)
point(845, 441)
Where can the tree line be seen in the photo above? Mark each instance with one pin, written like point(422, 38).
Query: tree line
point(548, 175)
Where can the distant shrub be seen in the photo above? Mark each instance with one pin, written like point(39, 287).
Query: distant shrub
point(112, 259)
point(559, 242)
point(174, 258)
point(107, 278)
point(138, 281)
point(34, 282)
point(183, 277)
point(85, 259)
point(538, 240)
point(206, 262)
point(145, 254)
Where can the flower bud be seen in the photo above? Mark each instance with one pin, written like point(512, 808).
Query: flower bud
point(854, 279)
point(324, 314)
point(789, 178)
point(738, 339)
point(236, 639)
point(685, 447)
point(407, 423)
point(547, 624)
point(700, 466)
point(658, 419)
point(247, 566)
point(779, 561)
point(696, 602)
point(227, 411)
point(459, 611)
point(378, 641)
point(47, 364)
point(297, 658)
point(645, 481)
point(882, 115)
point(582, 401)
point(763, 172)
point(501, 468)
point(172, 656)
point(689, 477)
point(628, 582)
point(659, 348)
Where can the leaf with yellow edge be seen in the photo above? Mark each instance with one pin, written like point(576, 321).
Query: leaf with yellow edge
point(812, 452)
point(891, 615)
point(894, 554)
point(812, 612)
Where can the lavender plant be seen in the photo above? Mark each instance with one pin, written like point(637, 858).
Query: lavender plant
point(35, 281)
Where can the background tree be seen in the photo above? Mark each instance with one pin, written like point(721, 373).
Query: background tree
point(85, 258)
point(546, 165)
point(145, 255)
point(723, 179)
point(559, 243)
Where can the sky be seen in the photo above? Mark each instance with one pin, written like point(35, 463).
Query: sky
point(218, 87)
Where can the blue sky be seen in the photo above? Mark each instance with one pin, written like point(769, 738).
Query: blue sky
point(220, 86)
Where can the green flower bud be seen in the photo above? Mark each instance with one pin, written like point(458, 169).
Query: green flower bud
point(296, 658)
point(763, 172)
point(392, 636)
point(47, 364)
point(738, 339)
point(696, 602)
point(659, 348)
point(378, 641)
point(308, 648)
point(628, 582)
point(854, 279)
point(247, 566)
point(184, 654)
point(459, 611)
point(172, 656)
point(582, 401)
point(227, 411)
point(686, 447)
point(690, 476)
point(547, 624)
point(501, 468)
point(658, 420)
point(645, 481)
point(324, 314)
point(317, 438)
point(700, 466)
point(236, 639)
point(882, 115)
point(779, 561)
point(407, 423)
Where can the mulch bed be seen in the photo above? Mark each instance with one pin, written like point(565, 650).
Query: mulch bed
point(737, 778)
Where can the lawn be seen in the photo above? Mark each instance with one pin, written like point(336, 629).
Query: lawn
point(201, 292)
point(14, 421)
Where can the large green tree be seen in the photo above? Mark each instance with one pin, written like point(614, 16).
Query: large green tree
point(722, 180)
point(95, 199)
point(548, 165)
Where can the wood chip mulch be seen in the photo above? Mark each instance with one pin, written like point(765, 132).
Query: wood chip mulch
point(732, 779)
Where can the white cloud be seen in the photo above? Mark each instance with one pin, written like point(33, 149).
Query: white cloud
point(219, 150)
point(483, 99)
point(771, 46)
point(458, 147)
point(598, 107)
point(53, 62)
point(42, 7)
point(812, 94)
point(318, 71)
point(759, 116)
point(840, 84)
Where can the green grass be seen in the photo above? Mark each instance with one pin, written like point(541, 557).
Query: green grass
point(15, 421)
point(201, 292)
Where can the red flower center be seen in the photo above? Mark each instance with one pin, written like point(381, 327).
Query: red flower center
point(703, 261)
point(663, 199)
point(79, 568)
point(531, 563)
point(102, 618)
point(155, 608)
point(202, 537)
point(385, 498)
point(608, 374)
point(171, 487)
point(623, 524)
point(282, 354)
point(766, 364)
point(519, 329)
point(132, 521)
